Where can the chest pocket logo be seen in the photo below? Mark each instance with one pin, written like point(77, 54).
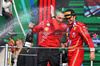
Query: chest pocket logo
point(48, 24)
point(46, 28)
point(73, 35)
point(74, 28)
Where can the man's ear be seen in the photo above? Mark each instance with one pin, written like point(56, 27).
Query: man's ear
point(74, 17)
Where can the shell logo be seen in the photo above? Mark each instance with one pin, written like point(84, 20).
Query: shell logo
point(46, 28)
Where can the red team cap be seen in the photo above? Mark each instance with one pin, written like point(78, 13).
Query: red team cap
point(69, 13)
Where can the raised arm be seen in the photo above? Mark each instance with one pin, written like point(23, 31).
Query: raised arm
point(54, 21)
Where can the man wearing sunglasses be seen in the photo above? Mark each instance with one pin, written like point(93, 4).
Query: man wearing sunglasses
point(76, 33)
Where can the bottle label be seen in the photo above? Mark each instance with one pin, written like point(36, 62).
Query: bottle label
point(27, 44)
point(64, 64)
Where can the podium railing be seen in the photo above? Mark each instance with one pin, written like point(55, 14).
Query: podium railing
point(10, 53)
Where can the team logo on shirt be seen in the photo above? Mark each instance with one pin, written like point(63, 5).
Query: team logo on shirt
point(73, 35)
point(67, 34)
point(74, 28)
point(85, 31)
point(46, 28)
point(48, 24)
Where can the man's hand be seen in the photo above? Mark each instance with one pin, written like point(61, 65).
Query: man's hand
point(63, 45)
point(10, 12)
point(92, 55)
point(31, 25)
point(52, 11)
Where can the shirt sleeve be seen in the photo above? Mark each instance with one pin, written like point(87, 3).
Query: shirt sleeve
point(38, 28)
point(55, 24)
point(87, 38)
point(63, 28)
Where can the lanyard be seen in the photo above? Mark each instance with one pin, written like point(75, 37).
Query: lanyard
point(68, 29)
point(74, 24)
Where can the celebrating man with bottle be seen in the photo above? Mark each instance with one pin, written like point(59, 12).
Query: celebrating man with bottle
point(52, 32)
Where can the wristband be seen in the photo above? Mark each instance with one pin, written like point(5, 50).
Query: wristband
point(92, 49)
point(53, 17)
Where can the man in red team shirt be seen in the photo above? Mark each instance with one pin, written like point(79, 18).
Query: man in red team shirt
point(76, 33)
point(52, 32)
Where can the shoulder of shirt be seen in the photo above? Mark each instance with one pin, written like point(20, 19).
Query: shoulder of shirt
point(80, 24)
point(63, 24)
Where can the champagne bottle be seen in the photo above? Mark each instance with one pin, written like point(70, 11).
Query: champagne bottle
point(64, 57)
point(28, 38)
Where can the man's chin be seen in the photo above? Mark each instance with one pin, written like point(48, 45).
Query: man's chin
point(59, 23)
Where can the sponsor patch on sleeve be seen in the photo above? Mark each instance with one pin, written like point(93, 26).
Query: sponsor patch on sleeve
point(85, 29)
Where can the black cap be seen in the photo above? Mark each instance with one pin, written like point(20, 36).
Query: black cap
point(68, 13)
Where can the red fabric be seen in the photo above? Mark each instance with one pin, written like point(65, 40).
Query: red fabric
point(45, 9)
point(77, 34)
point(49, 9)
point(75, 58)
point(93, 3)
point(40, 16)
point(48, 64)
point(50, 37)
point(12, 45)
point(53, 3)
